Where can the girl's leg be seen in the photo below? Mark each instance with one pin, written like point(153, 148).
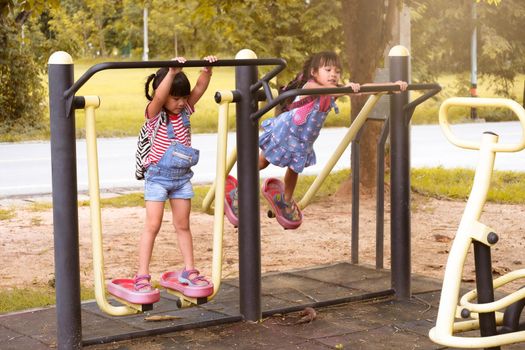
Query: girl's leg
point(290, 181)
point(263, 162)
point(154, 213)
point(180, 209)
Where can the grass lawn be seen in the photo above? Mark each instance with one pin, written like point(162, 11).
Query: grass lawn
point(123, 102)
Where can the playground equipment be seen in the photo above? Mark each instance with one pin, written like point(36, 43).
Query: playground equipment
point(122, 288)
point(249, 89)
point(487, 314)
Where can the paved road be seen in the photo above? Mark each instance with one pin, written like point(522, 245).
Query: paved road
point(25, 168)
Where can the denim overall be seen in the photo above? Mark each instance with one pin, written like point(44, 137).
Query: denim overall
point(170, 177)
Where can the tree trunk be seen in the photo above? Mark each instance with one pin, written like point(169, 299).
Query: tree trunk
point(367, 26)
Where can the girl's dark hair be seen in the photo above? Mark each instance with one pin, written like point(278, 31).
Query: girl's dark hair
point(179, 87)
point(325, 58)
point(314, 62)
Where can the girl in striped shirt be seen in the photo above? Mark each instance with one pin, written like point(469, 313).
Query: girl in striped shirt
point(168, 172)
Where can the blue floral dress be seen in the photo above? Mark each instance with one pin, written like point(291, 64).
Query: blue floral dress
point(287, 140)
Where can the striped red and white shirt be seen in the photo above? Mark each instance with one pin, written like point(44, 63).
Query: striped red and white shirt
point(162, 142)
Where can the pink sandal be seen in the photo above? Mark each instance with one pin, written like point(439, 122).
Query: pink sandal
point(230, 201)
point(137, 290)
point(140, 286)
point(188, 282)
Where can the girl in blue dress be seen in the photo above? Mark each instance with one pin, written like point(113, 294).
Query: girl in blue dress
point(287, 139)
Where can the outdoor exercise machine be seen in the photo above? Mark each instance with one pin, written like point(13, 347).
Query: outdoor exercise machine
point(249, 90)
point(497, 320)
point(133, 302)
point(122, 288)
point(63, 103)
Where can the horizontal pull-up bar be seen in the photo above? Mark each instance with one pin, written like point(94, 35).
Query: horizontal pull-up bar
point(281, 63)
point(389, 88)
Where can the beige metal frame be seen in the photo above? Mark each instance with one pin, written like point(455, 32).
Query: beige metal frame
point(470, 229)
point(93, 102)
point(314, 187)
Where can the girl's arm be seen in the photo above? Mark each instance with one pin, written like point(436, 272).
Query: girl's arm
point(202, 82)
point(163, 90)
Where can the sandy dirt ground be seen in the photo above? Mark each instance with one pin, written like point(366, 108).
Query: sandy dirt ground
point(324, 237)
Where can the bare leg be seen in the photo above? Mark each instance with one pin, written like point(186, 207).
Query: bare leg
point(180, 209)
point(154, 213)
point(290, 181)
point(263, 162)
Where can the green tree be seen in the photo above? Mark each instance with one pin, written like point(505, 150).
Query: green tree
point(289, 29)
point(21, 90)
point(442, 43)
point(368, 26)
point(91, 28)
point(368, 30)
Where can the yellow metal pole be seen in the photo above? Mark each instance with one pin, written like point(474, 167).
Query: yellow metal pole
point(220, 180)
point(92, 102)
point(210, 196)
point(349, 136)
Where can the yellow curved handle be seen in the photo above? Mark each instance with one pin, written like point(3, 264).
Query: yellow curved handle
point(482, 102)
point(92, 102)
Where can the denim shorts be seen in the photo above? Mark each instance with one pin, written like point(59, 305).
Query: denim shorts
point(163, 184)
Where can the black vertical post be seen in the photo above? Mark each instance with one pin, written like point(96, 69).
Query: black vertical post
point(400, 177)
point(485, 289)
point(65, 211)
point(380, 196)
point(354, 157)
point(248, 174)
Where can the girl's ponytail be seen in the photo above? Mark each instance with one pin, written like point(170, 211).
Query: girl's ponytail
point(296, 83)
point(148, 81)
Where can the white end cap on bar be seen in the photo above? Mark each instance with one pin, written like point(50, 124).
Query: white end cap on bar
point(92, 101)
point(60, 57)
point(399, 50)
point(245, 54)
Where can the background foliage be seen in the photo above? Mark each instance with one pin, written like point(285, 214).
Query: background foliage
point(112, 30)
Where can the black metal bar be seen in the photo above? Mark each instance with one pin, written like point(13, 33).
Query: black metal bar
point(400, 181)
point(434, 89)
point(380, 196)
point(390, 88)
point(410, 107)
point(267, 90)
point(512, 316)
point(266, 78)
point(158, 64)
point(68, 94)
point(485, 289)
point(354, 156)
point(249, 217)
point(65, 212)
